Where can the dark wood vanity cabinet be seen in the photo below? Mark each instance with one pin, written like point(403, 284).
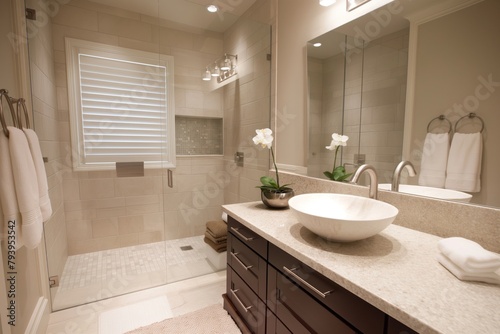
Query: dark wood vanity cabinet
point(270, 291)
point(246, 277)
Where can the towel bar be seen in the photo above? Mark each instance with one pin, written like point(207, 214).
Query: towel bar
point(470, 116)
point(17, 118)
point(441, 118)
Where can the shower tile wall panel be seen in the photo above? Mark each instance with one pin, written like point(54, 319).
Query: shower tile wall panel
point(247, 102)
point(47, 122)
point(103, 211)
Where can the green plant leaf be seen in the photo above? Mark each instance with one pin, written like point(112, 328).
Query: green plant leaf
point(269, 182)
point(328, 175)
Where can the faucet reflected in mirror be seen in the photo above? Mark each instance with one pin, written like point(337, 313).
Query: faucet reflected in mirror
point(396, 176)
point(372, 173)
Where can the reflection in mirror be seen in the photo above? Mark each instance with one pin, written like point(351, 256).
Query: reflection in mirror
point(453, 70)
point(358, 89)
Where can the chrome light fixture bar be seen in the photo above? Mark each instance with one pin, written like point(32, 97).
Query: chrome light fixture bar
point(222, 68)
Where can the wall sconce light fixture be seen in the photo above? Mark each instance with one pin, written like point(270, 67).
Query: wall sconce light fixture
point(222, 68)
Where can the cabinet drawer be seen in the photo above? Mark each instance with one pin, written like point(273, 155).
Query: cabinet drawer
point(298, 311)
point(360, 314)
point(248, 237)
point(250, 308)
point(246, 263)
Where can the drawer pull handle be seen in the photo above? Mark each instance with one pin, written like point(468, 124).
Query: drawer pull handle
point(301, 280)
point(245, 308)
point(237, 231)
point(240, 262)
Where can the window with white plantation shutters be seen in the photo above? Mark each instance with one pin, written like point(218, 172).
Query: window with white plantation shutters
point(121, 106)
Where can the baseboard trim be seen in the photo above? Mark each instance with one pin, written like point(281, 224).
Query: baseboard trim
point(37, 317)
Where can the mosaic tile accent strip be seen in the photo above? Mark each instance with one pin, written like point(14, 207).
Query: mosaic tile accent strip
point(198, 136)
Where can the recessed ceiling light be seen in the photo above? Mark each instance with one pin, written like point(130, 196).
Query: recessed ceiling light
point(212, 8)
point(317, 45)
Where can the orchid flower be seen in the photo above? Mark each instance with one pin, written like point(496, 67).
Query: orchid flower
point(264, 138)
point(338, 173)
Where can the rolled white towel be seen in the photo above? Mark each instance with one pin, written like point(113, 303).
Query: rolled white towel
point(490, 277)
point(469, 255)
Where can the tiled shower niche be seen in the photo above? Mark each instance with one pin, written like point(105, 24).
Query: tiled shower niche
point(198, 136)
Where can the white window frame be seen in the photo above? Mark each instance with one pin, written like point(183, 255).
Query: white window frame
point(74, 48)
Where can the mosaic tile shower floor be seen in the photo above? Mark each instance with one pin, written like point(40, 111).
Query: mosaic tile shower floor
point(99, 275)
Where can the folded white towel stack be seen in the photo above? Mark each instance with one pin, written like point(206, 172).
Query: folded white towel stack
point(434, 160)
point(463, 171)
point(468, 260)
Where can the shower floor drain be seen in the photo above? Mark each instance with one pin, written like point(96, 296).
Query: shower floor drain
point(186, 248)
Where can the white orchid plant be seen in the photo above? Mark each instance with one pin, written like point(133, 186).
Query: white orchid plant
point(338, 173)
point(264, 138)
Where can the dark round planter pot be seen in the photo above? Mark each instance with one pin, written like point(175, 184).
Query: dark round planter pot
point(276, 200)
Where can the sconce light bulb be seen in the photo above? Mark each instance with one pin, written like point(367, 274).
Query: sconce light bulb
point(216, 71)
point(212, 8)
point(226, 66)
point(207, 75)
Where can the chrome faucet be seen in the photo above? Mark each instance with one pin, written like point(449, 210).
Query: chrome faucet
point(373, 190)
point(397, 173)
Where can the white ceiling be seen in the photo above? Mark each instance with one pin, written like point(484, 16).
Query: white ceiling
point(189, 12)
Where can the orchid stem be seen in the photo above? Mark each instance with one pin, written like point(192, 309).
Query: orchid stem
point(275, 168)
point(335, 158)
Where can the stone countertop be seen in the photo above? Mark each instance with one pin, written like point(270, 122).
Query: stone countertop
point(396, 271)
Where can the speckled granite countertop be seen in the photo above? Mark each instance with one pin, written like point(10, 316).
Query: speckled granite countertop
point(396, 271)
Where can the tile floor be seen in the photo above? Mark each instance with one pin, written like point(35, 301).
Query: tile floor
point(93, 276)
point(107, 316)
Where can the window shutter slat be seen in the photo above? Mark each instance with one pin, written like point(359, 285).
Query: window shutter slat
point(123, 109)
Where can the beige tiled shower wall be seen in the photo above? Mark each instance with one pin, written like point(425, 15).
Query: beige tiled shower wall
point(47, 121)
point(247, 102)
point(103, 211)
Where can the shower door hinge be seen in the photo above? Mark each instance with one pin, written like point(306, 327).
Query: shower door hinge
point(30, 14)
point(53, 281)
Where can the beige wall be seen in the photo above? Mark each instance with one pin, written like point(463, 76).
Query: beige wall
point(299, 21)
point(452, 57)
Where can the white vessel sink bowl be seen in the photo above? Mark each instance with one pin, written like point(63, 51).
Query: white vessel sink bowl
point(439, 193)
point(340, 217)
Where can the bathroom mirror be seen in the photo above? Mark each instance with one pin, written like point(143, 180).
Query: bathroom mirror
point(390, 82)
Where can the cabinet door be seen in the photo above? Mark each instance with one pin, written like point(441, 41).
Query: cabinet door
point(250, 308)
point(298, 311)
point(274, 325)
point(248, 265)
